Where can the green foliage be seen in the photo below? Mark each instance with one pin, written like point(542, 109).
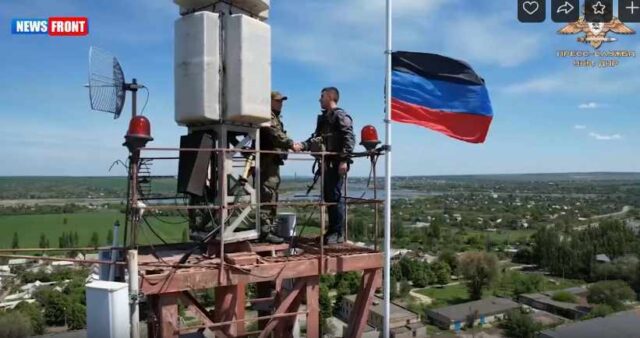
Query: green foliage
point(518, 324)
point(612, 293)
point(479, 269)
point(564, 296)
point(76, 316)
point(325, 304)
point(68, 240)
point(55, 306)
point(449, 257)
point(563, 251)
point(185, 236)
point(600, 310)
point(394, 289)
point(405, 288)
point(57, 275)
point(36, 317)
point(207, 297)
point(527, 283)
point(109, 237)
point(524, 255)
point(44, 241)
point(15, 242)
point(622, 268)
point(357, 229)
point(94, 241)
point(442, 272)
point(14, 324)
point(397, 225)
point(347, 283)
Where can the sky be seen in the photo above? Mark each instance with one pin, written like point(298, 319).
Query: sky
point(549, 116)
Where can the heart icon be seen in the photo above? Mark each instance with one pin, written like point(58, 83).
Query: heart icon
point(530, 7)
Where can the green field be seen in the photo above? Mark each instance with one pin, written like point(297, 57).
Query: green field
point(449, 295)
point(456, 294)
point(502, 235)
point(29, 228)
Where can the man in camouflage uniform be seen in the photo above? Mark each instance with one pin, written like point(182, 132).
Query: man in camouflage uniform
point(334, 133)
point(275, 138)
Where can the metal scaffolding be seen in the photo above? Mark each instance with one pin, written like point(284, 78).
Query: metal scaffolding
point(170, 274)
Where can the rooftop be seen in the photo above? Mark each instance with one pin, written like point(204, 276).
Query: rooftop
point(546, 298)
point(397, 312)
point(620, 325)
point(483, 307)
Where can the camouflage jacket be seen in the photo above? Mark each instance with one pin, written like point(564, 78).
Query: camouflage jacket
point(274, 137)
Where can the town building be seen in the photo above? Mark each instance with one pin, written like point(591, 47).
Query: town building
point(482, 312)
point(402, 322)
point(620, 325)
point(544, 301)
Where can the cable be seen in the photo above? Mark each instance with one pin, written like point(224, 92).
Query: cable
point(374, 161)
point(153, 231)
point(146, 100)
point(118, 162)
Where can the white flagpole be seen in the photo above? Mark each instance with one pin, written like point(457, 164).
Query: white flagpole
point(387, 180)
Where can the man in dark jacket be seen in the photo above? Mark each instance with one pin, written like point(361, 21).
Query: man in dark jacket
point(334, 133)
point(273, 138)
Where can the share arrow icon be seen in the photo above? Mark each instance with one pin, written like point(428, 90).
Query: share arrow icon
point(566, 8)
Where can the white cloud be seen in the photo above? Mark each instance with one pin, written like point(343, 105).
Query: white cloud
point(601, 137)
point(477, 37)
point(589, 105)
point(540, 85)
point(579, 126)
point(351, 43)
point(574, 80)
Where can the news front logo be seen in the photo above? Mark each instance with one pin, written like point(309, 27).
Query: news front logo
point(53, 26)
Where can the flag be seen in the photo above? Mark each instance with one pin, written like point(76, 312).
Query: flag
point(441, 94)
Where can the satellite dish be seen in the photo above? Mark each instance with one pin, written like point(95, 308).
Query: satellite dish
point(107, 86)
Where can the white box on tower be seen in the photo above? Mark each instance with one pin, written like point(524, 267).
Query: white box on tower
point(259, 8)
point(197, 68)
point(247, 80)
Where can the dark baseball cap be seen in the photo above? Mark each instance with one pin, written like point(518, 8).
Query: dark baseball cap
point(275, 95)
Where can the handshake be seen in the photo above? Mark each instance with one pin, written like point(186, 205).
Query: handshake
point(297, 147)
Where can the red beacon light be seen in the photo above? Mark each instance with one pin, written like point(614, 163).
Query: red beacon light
point(139, 132)
point(369, 137)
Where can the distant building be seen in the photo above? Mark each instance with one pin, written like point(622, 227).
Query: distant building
point(543, 301)
point(602, 258)
point(18, 262)
point(483, 311)
point(619, 325)
point(419, 225)
point(12, 304)
point(403, 323)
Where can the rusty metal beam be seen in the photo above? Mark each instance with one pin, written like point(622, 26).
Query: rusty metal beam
point(230, 302)
point(313, 307)
point(283, 307)
point(360, 313)
point(166, 280)
point(166, 310)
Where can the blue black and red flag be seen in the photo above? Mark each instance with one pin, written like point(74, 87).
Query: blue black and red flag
point(441, 94)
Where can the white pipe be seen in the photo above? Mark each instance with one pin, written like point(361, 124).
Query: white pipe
point(132, 259)
point(114, 251)
point(387, 179)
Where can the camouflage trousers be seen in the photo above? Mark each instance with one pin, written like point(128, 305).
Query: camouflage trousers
point(269, 185)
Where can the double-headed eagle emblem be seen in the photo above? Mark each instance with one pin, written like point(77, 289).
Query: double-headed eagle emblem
point(596, 32)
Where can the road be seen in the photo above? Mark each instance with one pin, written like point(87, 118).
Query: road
point(422, 298)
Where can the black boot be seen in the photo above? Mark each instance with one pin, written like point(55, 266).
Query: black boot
point(333, 238)
point(271, 238)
